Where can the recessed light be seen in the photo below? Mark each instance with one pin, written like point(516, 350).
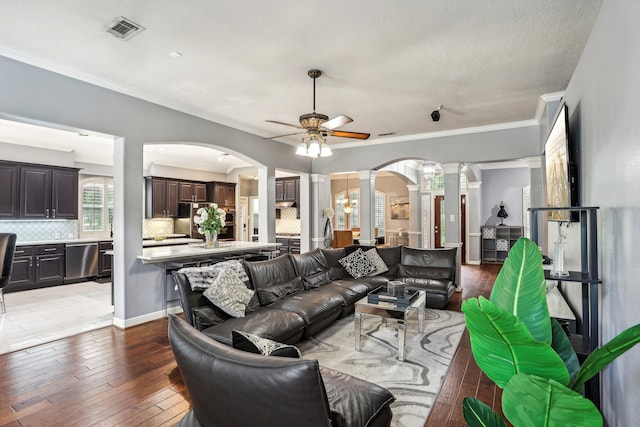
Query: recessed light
point(161, 148)
point(175, 54)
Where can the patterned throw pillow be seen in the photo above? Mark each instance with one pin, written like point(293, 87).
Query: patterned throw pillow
point(255, 344)
point(200, 278)
point(379, 266)
point(229, 293)
point(357, 264)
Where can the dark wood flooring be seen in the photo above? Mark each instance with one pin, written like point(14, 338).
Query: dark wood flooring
point(115, 377)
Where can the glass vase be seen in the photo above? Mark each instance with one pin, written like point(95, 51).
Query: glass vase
point(211, 239)
point(558, 262)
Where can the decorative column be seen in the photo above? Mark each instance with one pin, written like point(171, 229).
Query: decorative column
point(320, 199)
point(414, 216)
point(474, 202)
point(267, 204)
point(452, 213)
point(367, 207)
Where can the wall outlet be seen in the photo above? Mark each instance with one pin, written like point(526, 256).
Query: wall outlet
point(452, 218)
point(57, 235)
point(71, 235)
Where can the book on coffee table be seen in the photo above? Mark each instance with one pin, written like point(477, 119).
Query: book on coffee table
point(381, 295)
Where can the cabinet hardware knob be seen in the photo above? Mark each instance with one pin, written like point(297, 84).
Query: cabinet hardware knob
point(54, 213)
point(47, 213)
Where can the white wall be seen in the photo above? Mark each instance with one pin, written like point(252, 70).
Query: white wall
point(603, 99)
point(503, 185)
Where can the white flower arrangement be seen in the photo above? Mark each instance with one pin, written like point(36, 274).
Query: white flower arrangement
point(210, 219)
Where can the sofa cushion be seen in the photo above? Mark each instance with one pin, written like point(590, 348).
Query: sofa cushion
point(352, 248)
point(377, 262)
point(430, 272)
point(278, 325)
point(274, 279)
point(357, 264)
point(229, 293)
point(336, 269)
point(255, 344)
point(312, 267)
point(391, 256)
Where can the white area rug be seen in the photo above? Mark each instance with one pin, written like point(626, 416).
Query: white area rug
point(414, 382)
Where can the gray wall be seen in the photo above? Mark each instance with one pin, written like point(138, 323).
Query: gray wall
point(603, 102)
point(503, 185)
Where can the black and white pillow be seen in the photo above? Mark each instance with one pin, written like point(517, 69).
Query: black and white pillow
point(255, 344)
point(229, 293)
point(357, 264)
point(378, 263)
point(200, 278)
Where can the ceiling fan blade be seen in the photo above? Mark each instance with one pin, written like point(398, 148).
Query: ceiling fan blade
point(336, 122)
point(356, 135)
point(283, 123)
point(282, 136)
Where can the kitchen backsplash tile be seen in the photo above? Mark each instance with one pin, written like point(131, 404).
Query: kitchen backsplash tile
point(151, 227)
point(32, 231)
point(288, 224)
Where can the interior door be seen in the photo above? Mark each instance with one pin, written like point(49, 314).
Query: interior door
point(463, 228)
point(438, 223)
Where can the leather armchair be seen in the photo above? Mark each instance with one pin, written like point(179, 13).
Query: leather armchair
point(229, 387)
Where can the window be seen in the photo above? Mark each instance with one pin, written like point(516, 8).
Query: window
point(96, 206)
point(345, 221)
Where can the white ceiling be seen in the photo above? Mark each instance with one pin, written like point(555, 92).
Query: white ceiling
point(386, 64)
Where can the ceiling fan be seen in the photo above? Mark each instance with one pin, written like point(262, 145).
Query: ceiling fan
point(318, 126)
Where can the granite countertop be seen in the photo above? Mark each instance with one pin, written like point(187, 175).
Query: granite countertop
point(169, 242)
point(64, 241)
point(161, 254)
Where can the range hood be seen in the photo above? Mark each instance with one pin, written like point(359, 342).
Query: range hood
point(281, 205)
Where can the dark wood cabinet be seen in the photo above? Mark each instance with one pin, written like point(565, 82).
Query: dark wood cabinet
point(9, 183)
point(23, 274)
point(223, 193)
point(193, 191)
point(162, 196)
point(48, 193)
point(287, 189)
point(37, 267)
point(105, 261)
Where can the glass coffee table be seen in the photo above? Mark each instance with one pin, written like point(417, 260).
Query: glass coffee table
point(391, 310)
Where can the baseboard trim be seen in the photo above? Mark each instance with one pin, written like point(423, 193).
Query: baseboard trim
point(134, 321)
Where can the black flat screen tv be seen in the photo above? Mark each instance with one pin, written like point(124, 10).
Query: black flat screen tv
point(561, 169)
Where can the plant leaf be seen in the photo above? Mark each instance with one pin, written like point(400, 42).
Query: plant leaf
point(520, 289)
point(561, 344)
point(479, 414)
point(531, 401)
point(502, 346)
point(604, 355)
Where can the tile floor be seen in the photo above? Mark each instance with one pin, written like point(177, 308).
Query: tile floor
point(43, 315)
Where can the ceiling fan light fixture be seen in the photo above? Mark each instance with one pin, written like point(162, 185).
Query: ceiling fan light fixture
point(325, 150)
point(314, 148)
point(302, 149)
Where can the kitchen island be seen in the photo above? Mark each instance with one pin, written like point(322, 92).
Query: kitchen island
point(193, 252)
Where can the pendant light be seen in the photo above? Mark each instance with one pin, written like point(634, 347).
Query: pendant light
point(347, 207)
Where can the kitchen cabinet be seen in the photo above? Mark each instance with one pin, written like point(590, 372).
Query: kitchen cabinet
point(161, 198)
point(38, 192)
point(37, 266)
point(192, 191)
point(9, 182)
point(104, 261)
point(287, 189)
point(288, 245)
point(223, 193)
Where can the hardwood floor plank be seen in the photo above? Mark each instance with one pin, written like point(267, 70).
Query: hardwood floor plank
point(115, 377)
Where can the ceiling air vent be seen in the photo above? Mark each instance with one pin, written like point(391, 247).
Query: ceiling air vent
point(124, 28)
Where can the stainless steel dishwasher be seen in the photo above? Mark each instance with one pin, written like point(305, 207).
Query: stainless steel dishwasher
point(81, 261)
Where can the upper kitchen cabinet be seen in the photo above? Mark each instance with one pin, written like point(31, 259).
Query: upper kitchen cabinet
point(161, 197)
point(48, 192)
point(223, 193)
point(193, 191)
point(9, 182)
point(287, 189)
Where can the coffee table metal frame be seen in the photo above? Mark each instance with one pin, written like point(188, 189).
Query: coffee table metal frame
point(390, 310)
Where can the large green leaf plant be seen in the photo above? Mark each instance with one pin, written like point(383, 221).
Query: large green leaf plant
point(527, 354)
